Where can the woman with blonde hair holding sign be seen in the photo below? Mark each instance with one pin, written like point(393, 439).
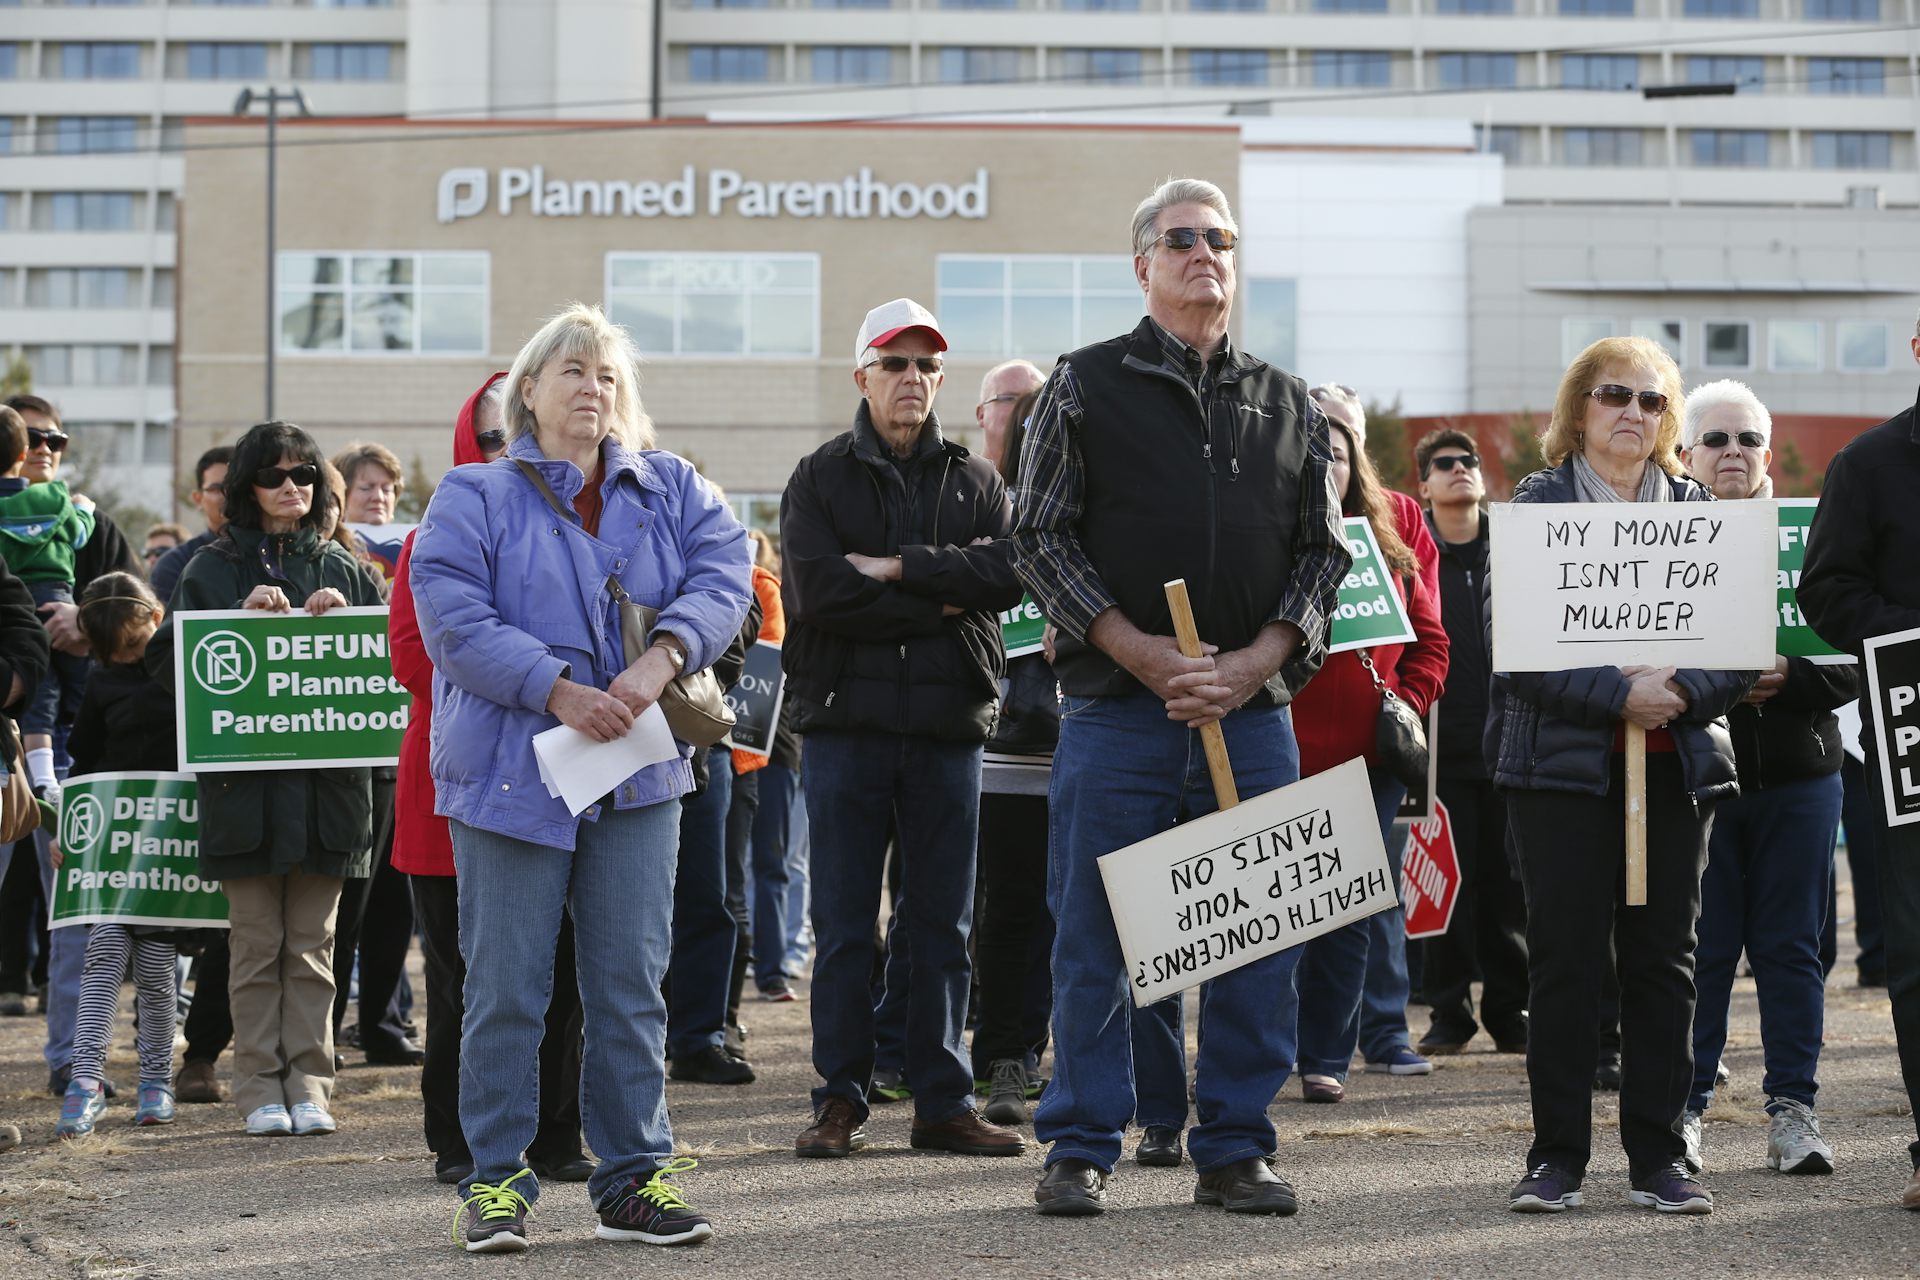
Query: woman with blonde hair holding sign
point(1562, 736)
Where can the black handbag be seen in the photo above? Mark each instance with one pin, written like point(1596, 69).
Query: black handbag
point(1399, 738)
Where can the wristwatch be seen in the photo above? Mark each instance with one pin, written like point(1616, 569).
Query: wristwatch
point(675, 653)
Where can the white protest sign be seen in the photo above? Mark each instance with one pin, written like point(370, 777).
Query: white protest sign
point(1211, 895)
point(1579, 584)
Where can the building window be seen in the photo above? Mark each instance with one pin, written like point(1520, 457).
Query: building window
point(1577, 333)
point(1111, 66)
point(1228, 66)
point(1596, 8)
point(162, 288)
point(1844, 10)
point(226, 61)
point(84, 211)
point(1852, 150)
point(1478, 70)
point(1473, 6)
point(729, 63)
point(350, 62)
point(89, 135)
point(9, 61)
point(66, 288)
point(6, 135)
point(1602, 147)
point(1227, 6)
point(1088, 6)
point(1866, 77)
point(818, 4)
point(84, 366)
point(1793, 346)
point(717, 304)
point(1034, 305)
point(852, 64)
point(1747, 73)
point(1730, 147)
point(1726, 344)
point(1349, 6)
point(1352, 69)
point(1502, 140)
point(387, 303)
point(979, 65)
point(1270, 323)
point(1671, 334)
point(1860, 346)
point(100, 62)
point(159, 374)
point(744, 4)
point(979, 4)
point(6, 211)
point(758, 511)
point(1723, 8)
point(1600, 71)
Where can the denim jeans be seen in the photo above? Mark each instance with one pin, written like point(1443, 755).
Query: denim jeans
point(799, 885)
point(772, 873)
point(1123, 772)
point(1765, 892)
point(704, 933)
point(618, 885)
point(1349, 996)
point(857, 785)
point(1159, 1039)
point(891, 997)
point(66, 960)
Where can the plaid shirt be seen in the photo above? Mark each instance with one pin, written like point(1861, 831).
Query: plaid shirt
point(1050, 498)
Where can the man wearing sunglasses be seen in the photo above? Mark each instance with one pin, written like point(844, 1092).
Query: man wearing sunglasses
point(1770, 855)
point(1166, 453)
point(893, 661)
point(209, 498)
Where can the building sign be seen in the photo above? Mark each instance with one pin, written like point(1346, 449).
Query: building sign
point(467, 192)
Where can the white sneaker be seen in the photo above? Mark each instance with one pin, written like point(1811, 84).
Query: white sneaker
point(270, 1121)
point(1794, 1144)
point(310, 1119)
point(1690, 1126)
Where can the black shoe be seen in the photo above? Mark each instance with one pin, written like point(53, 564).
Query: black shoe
point(1510, 1039)
point(734, 1041)
point(397, 1051)
point(452, 1170)
point(711, 1065)
point(573, 1168)
point(1159, 1147)
point(1246, 1186)
point(1872, 978)
point(1072, 1188)
point(1606, 1076)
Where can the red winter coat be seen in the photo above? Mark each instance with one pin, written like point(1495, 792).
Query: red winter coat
point(1334, 717)
point(421, 843)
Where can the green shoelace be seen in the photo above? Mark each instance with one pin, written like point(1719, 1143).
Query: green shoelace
point(658, 1191)
point(496, 1203)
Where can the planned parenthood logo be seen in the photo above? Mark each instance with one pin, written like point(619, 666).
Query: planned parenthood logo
point(223, 662)
point(82, 824)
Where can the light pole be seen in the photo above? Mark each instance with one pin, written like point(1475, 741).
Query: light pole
point(272, 97)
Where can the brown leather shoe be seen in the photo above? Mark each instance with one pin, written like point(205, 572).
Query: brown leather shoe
point(837, 1130)
point(197, 1083)
point(968, 1135)
point(1911, 1200)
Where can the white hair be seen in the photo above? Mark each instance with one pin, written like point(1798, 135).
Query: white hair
point(1175, 191)
point(496, 393)
point(1025, 366)
point(1704, 399)
point(582, 330)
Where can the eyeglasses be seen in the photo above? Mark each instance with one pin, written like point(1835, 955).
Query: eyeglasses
point(494, 439)
point(1005, 397)
point(1182, 239)
point(1448, 461)
point(55, 441)
point(1615, 396)
point(928, 365)
point(1718, 439)
point(154, 553)
point(273, 477)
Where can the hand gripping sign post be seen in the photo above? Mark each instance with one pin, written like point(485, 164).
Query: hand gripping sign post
point(1211, 895)
point(1634, 584)
point(1893, 690)
point(131, 854)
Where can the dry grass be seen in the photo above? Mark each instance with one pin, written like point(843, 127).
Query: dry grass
point(1377, 1129)
point(349, 1157)
point(384, 1091)
point(751, 1147)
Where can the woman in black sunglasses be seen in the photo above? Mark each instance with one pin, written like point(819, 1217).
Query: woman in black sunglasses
point(279, 841)
point(1613, 439)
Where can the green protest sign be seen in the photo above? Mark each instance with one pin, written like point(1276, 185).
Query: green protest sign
point(1370, 611)
point(131, 854)
point(260, 690)
point(1794, 638)
point(1021, 628)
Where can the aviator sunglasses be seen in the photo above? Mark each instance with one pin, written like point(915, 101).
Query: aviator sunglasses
point(1615, 396)
point(55, 441)
point(1718, 439)
point(928, 365)
point(1182, 239)
point(273, 477)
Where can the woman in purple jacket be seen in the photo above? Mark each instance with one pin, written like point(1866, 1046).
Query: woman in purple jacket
point(515, 611)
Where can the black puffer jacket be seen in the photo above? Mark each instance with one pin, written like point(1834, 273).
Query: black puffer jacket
point(1555, 729)
point(1794, 735)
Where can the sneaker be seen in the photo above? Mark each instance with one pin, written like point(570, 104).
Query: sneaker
point(270, 1121)
point(1006, 1092)
point(80, 1106)
point(1722, 1076)
point(13, 1004)
point(311, 1120)
point(889, 1085)
point(1794, 1144)
point(1321, 1089)
point(1671, 1190)
point(779, 993)
point(493, 1219)
point(1545, 1189)
point(652, 1211)
point(1401, 1062)
point(1691, 1125)
point(156, 1103)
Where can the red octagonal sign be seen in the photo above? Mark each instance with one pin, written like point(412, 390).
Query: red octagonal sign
point(1430, 875)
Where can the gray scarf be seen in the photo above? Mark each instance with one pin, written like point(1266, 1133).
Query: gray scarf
point(1589, 487)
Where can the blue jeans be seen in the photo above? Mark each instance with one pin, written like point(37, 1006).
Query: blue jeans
point(890, 1002)
point(66, 961)
point(799, 887)
point(618, 885)
point(56, 699)
point(857, 785)
point(704, 933)
point(1864, 835)
point(772, 876)
point(1124, 772)
point(1765, 892)
point(1347, 999)
point(1159, 1040)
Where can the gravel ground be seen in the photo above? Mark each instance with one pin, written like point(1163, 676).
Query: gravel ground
point(1408, 1177)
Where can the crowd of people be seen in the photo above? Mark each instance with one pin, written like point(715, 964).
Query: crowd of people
point(928, 819)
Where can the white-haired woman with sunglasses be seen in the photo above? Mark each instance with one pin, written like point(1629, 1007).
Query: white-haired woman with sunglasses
point(1562, 734)
point(280, 841)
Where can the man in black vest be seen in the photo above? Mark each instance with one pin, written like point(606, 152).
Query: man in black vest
point(1165, 454)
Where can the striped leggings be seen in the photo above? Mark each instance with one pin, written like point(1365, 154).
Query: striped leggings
point(155, 999)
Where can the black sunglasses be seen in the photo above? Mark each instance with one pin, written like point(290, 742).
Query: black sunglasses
point(1718, 439)
point(273, 477)
point(1182, 239)
point(494, 439)
point(1448, 461)
point(154, 553)
point(1615, 396)
point(55, 441)
point(928, 365)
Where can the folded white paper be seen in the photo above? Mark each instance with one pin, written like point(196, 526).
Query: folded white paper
point(578, 770)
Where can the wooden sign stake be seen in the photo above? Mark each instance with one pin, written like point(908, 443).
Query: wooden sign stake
point(1224, 792)
point(1636, 815)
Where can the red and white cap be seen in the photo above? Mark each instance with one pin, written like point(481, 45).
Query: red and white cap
point(891, 319)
